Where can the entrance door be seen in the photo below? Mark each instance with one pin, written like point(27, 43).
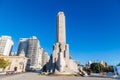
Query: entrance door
point(15, 68)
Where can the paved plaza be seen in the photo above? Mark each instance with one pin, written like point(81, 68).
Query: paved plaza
point(36, 76)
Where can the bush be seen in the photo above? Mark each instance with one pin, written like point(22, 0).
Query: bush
point(109, 69)
point(97, 67)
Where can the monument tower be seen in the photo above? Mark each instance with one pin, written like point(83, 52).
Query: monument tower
point(61, 35)
point(61, 61)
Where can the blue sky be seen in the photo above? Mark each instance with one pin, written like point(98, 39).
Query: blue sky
point(93, 26)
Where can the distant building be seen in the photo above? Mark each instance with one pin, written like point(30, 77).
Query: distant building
point(33, 52)
point(88, 64)
point(31, 47)
point(23, 44)
point(6, 45)
point(103, 63)
point(45, 58)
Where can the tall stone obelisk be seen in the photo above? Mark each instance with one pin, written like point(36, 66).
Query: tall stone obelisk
point(61, 35)
point(61, 62)
point(61, 49)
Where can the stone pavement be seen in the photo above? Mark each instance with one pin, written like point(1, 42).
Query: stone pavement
point(36, 76)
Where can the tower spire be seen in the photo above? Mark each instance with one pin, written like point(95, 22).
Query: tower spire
point(61, 35)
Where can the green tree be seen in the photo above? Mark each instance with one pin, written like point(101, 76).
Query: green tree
point(109, 69)
point(97, 67)
point(4, 63)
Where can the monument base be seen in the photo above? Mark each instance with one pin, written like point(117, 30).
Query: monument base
point(57, 73)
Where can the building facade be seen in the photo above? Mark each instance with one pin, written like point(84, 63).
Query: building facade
point(6, 45)
point(33, 51)
point(23, 44)
point(45, 58)
point(17, 63)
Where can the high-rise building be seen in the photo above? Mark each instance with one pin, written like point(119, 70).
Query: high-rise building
point(45, 58)
point(32, 50)
point(23, 44)
point(6, 45)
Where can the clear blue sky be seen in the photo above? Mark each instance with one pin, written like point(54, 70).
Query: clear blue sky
point(93, 26)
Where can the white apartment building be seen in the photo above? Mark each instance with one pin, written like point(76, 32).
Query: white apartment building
point(6, 44)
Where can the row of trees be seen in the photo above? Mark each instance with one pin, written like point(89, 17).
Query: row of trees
point(4, 63)
point(98, 68)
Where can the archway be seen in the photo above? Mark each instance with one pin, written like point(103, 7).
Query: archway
point(15, 68)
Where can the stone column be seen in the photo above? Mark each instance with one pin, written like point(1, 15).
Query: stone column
point(61, 35)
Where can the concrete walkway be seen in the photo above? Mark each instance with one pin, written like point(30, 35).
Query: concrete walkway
point(36, 76)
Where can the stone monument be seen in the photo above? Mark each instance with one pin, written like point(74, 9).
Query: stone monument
point(61, 62)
